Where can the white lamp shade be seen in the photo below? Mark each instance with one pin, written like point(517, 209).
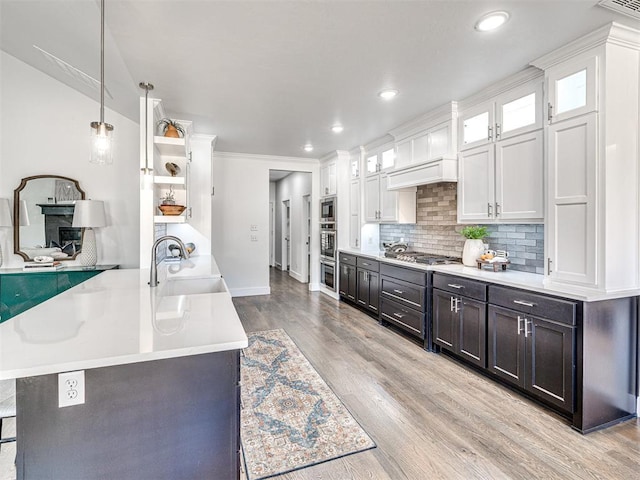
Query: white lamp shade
point(89, 213)
point(5, 213)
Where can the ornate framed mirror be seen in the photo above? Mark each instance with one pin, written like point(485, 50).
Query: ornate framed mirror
point(43, 207)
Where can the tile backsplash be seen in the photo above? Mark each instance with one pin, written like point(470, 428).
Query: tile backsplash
point(437, 231)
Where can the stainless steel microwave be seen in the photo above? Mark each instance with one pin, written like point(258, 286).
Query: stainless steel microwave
point(328, 210)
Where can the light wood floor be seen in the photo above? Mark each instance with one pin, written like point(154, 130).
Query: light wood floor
point(430, 417)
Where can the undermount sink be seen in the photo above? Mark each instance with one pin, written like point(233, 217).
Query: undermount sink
point(193, 286)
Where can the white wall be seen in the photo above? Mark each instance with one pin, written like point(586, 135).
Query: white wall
point(293, 188)
point(44, 129)
point(241, 199)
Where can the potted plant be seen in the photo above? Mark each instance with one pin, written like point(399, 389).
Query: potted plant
point(474, 246)
point(171, 128)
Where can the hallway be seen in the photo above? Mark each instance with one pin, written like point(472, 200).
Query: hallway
point(430, 417)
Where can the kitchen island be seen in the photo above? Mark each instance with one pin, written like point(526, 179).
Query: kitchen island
point(161, 372)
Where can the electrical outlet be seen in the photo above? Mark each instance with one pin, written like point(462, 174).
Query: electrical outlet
point(70, 388)
point(254, 238)
point(254, 228)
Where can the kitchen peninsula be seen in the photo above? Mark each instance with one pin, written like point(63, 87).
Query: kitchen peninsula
point(161, 372)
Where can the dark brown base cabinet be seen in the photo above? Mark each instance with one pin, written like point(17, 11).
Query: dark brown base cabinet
point(460, 322)
point(534, 354)
point(347, 277)
point(404, 300)
point(175, 418)
point(579, 358)
point(368, 284)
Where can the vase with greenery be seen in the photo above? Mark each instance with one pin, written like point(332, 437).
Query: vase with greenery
point(171, 128)
point(474, 246)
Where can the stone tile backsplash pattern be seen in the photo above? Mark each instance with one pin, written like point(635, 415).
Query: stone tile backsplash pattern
point(437, 231)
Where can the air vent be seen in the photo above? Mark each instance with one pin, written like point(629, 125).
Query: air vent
point(630, 8)
point(73, 72)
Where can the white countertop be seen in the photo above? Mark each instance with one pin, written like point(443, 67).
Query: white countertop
point(509, 278)
point(115, 318)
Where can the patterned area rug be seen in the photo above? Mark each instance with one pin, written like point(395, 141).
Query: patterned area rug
point(290, 418)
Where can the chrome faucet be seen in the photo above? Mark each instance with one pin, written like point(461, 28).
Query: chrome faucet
point(153, 278)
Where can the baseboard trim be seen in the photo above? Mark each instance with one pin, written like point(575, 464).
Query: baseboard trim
point(249, 292)
point(314, 287)
point(329, 292)
point(297, 276)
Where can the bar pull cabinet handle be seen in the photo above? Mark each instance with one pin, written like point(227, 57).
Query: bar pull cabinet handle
point(456, 305)
point(398, 315)
point(526, 304)
point(399, 292)
point(190, 212)
point(549, 261)
point(520, 319)
point(498, 209)
point(489, 210)
point(526, 324)
point(489, 133)
point(497, 131)
point(454, 285)
point(549, 112)
point(451, 304)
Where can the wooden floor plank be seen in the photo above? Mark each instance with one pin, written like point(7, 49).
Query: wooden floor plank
point(431, 417)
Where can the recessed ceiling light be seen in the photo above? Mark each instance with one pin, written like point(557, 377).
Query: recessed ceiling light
point(388, 94)
point(337, 128)
point(308, 147)
point(491, 21)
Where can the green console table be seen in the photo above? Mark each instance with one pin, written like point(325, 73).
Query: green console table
point(20, 290)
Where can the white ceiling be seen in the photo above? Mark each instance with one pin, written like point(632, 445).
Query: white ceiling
point(268, 76)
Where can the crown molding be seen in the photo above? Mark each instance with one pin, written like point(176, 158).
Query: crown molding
point(337, 154)
point(444, 113)
point(378, 143)
point(522, 77)
point(613, 33)
point(265, 158)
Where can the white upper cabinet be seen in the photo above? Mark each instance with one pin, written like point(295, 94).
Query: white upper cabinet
point(476, 125)
point(573, 89)
point(382, 161)
point(427, 138)
point(382, 205)
point(328, 185)
point(501, 157)
point(519, 111)
point(593, 164)
point(354, 214)
point(513, 112)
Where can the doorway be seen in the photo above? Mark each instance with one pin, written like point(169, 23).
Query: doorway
point(286, 235)
point(306, 221)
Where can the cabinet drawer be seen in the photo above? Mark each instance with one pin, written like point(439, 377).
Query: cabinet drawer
point(406, 274)
point(347, 259)
point(407, 293)
point(563, 311)
point(461, 286)
point(367, 264)
point(404, 317)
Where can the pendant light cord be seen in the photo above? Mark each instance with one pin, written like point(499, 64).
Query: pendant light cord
point(101, 61)
point(147, 86)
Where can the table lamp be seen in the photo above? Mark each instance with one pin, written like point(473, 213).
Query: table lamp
point(5, 219)
point(89, 214)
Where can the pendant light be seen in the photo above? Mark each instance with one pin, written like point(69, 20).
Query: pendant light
point(147, 86)
point(101, 132)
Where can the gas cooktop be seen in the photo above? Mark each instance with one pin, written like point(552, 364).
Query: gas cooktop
point(421, 257)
